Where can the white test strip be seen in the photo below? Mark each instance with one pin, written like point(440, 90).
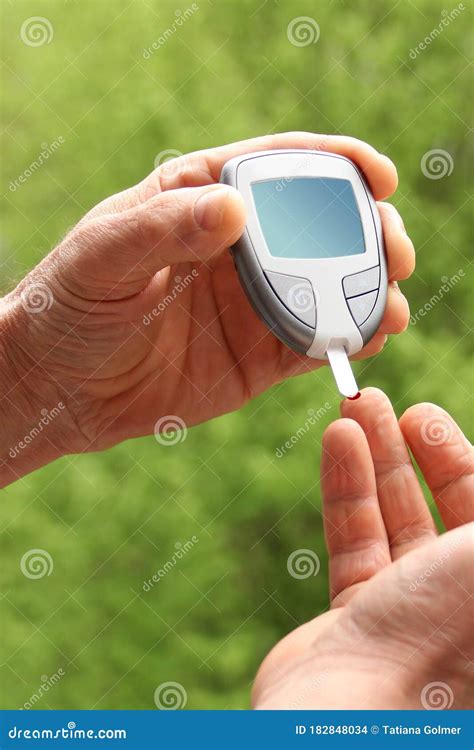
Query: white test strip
point(342, 371)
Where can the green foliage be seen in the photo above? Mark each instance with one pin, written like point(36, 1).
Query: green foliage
point(111, 520)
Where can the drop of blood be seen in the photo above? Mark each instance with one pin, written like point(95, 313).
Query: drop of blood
point(353, 398)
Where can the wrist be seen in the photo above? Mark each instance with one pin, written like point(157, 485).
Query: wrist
point(32, 412)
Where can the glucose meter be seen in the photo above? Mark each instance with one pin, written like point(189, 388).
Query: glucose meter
point(311, 258)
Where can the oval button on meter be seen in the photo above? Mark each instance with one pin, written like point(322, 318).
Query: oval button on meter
point(362, 306)
point(297, 294)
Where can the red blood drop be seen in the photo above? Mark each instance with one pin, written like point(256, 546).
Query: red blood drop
point(353, 398)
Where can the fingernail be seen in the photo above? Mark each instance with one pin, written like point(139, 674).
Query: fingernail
point(209, 208)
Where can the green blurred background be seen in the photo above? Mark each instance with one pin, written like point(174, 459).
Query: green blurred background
point(110, 520)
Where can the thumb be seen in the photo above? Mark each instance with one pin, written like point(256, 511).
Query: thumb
point(177, 226)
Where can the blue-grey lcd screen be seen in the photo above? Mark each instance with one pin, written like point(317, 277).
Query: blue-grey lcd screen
point(309, 217)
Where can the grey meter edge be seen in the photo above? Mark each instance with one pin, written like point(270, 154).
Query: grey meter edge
point(264, 286)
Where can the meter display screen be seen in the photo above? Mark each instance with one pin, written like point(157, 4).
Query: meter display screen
point(309, 217)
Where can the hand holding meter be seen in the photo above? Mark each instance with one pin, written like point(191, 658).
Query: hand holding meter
point(311, 258)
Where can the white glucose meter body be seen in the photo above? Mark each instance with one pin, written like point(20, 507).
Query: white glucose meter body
point(311, 258)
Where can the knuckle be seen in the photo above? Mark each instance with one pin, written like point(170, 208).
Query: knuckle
point(146, 225)
point(86, 235)
point(140, 225)
point(461, 466)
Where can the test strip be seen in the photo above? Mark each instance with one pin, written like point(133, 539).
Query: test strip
point(342, 371)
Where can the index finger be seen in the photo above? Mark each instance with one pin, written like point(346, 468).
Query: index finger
point(378, 169)
point(204, 167)
point(406, 515)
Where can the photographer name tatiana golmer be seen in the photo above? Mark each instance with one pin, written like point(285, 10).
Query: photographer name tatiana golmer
point(428, 729)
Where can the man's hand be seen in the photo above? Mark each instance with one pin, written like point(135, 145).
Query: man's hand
point(399, 632)
point(138, 313)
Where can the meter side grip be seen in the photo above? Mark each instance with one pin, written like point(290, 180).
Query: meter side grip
point(264, 301)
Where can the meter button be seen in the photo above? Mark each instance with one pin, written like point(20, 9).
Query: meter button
point(362, 306)
point(360, 283)
point(296, 294)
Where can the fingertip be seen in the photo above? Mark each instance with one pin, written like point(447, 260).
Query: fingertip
point(399, 247)
point(400, 253)
point(426, 426)
point(403, 262)
point(401, 319)
point(369, 398)
point(397, 311)
point(384, 179)
point(413, 411)
point(391, 176)
point(373, 347)
point(341, 436)
point(413, 418)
